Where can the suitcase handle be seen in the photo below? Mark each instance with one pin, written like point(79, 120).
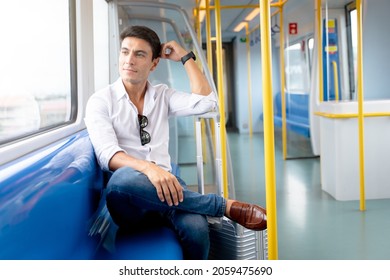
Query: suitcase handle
point(199, 156)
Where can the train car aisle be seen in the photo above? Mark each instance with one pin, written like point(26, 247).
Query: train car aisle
point(312, 225)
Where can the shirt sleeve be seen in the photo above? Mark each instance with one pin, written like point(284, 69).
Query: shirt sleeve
point(185, 104)
point(100, 129)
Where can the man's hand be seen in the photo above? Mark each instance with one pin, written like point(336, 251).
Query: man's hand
point(198, 82)
point(167, 186)
point(172, 50)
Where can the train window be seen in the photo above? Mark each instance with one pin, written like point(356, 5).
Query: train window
point(101, 43)
point(296, 68)
point(37, 89)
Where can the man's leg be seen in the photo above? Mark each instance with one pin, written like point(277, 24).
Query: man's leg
point(131, 198)
point(193, 233)
point(135, 189)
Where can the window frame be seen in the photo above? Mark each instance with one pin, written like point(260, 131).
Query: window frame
point(308, 63)
point(73, 85)
point(83, 87)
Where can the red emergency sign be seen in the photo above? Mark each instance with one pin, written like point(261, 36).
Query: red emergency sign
point(293, 28)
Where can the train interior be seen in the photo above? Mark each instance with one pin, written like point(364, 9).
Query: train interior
point(51, 185)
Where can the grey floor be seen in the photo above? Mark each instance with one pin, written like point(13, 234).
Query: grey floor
point(312, 225)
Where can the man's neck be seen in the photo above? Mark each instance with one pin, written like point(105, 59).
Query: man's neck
point(136, 93)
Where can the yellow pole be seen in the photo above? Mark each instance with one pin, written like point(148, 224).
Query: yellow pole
point(248, 58)
point(269, 146)
point(283, 82)
point(360, 101)
point(336, 80)
point(221, 96)
point(319, 50)
point(197, 24)
point(208, 38)
point(209, 49)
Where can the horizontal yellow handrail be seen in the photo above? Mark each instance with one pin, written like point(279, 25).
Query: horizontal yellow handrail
point(351, 115)
point(254, 6)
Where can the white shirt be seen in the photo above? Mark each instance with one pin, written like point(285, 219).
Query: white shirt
point(112, 121)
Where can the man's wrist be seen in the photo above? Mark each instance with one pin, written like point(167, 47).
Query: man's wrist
point(187, 57)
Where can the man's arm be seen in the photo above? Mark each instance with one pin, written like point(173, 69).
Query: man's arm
point(112, 157)
point(167, 186)
point(198, 82)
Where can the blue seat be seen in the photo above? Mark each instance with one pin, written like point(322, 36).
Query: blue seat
point(47, 201)
point(159, 243)
point(297, 112)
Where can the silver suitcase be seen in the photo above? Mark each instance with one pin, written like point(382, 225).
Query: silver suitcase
point(228, 240)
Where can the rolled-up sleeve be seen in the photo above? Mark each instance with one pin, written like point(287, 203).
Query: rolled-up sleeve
point(184, 104)
point(100, 129)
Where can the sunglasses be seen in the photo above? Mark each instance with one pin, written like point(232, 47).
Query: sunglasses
point(143, 135)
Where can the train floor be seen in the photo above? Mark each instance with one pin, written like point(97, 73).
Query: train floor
point(312, 225)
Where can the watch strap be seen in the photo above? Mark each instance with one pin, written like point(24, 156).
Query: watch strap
point(187, 57)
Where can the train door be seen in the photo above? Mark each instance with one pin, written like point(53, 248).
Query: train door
point(228, 82)
point(338, 51)
point(296, 58)
point(298, 63)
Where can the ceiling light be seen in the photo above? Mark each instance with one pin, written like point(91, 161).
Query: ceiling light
point(240, 26)
point(252, 14)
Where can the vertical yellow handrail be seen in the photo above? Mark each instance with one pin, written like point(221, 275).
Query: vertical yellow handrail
point(248, 58)
point(196, 14)
point(197, 23)
point(282, 82)
point(221, 96)
point(209, 51)
point(208, 38)
point(269, 146)
point(360, 101)
point(336, 80)
point(319, 50)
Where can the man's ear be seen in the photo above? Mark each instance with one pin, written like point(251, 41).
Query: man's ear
point(155, 63)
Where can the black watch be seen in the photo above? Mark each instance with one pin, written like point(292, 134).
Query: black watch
point(187, 57)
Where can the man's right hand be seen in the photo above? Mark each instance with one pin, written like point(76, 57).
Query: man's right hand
point(167, 186)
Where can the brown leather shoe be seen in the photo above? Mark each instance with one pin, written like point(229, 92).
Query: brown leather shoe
point(248, 215)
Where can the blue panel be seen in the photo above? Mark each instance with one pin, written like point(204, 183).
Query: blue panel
point(330, 56)
point(156, 244)
point(47, 200)
point(297, 112)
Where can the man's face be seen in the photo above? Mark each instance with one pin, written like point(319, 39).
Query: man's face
point(135, 60)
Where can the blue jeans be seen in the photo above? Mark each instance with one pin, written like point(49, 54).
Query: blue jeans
point(133, 202)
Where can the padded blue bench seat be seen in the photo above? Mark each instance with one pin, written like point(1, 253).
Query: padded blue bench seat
point(297, 113)
point(47, 200)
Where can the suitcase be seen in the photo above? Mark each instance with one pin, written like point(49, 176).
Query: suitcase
point(228, 240)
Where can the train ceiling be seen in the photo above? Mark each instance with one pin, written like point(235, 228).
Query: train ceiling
point(230, 18)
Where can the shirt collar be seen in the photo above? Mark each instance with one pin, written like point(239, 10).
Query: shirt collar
point(150, 95)
point(119, 89)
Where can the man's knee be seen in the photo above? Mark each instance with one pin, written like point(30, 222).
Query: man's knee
point(124, 177)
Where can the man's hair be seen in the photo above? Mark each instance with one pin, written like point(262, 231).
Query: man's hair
point(144, 33)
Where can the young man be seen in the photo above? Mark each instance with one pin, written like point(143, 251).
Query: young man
point(128, 126)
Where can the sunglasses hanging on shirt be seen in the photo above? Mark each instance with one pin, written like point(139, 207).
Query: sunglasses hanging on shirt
point(144, 135)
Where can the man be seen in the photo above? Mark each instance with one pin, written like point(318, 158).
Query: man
point(128, 126)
